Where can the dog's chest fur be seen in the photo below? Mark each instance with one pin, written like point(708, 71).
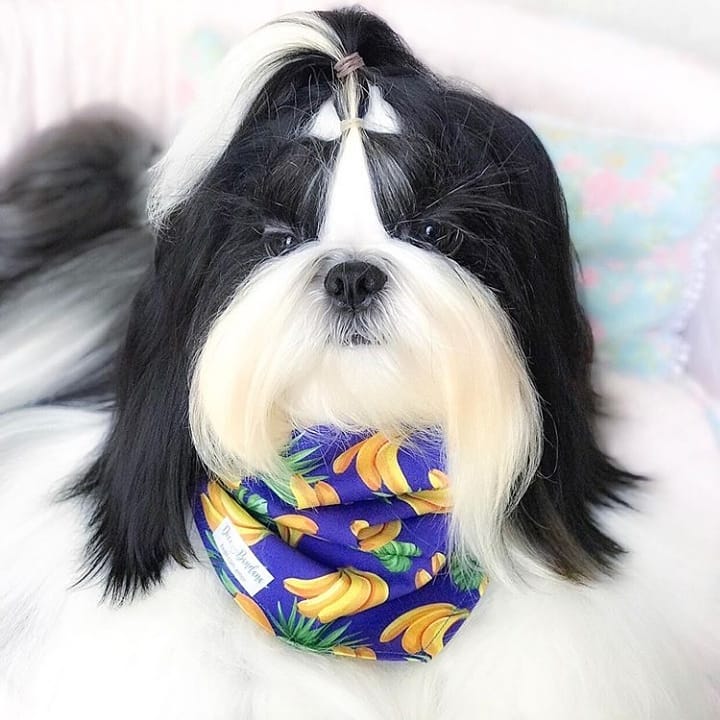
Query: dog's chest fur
point(546, 650)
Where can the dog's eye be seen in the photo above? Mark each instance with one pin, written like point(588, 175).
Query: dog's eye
point(430, 232)
point(278, 242)
point(445, 238)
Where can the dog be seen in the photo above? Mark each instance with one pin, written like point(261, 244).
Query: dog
point(336, 238)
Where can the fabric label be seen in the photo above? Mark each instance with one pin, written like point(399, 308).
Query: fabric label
point(241, 560)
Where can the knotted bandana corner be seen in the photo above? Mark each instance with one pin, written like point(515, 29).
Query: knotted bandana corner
point(350, 556)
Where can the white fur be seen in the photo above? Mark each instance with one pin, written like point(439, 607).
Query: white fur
point(379, 118)
point(325, 124)
point(454, 342)
point(642, 646)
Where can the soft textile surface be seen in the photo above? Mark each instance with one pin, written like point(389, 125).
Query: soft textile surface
point(346, 554)
point(643, 214)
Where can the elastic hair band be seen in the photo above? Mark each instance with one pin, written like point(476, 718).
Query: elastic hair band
point(350, 123)
point(348, 64)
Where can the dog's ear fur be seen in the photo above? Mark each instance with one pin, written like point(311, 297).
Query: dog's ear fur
point(556, 514)
point(141, 482)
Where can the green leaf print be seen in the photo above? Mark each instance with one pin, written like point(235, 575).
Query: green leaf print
point(466, 572)
point(310, 634)
point(395, 555)
point(301, 463)
point(253, 503)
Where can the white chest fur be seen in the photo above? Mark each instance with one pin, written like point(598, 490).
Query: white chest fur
point(638, 646)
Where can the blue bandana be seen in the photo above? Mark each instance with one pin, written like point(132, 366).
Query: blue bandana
point(350, 556)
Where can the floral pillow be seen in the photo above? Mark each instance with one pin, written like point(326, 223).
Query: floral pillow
point(642, 214)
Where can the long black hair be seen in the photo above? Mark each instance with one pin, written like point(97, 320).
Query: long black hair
point(473, 172)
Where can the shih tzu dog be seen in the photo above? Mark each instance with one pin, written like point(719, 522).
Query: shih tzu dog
point(319, 439)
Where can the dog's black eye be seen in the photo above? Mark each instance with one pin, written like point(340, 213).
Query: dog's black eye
point(278, 242)
point(444, 238)
point(430, 232)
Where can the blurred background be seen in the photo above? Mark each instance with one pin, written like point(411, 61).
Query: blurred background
point(624, 93)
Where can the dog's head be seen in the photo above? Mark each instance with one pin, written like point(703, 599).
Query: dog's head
point(361, 245)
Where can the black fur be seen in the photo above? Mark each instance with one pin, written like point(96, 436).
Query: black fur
point(472, 172)
point(69, 186)
point(483, 181)
point(72, 233)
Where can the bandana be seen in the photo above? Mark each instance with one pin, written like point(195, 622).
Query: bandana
point(350, 556)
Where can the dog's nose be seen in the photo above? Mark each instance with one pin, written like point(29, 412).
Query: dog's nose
point(352, 284)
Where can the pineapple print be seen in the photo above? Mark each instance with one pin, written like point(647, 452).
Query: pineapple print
point(300, 488)
point(307, 633)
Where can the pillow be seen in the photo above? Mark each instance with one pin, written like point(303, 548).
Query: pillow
point(642, 214)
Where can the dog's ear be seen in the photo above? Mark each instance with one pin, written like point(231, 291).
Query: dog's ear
point(556, 516)
point(141, 482)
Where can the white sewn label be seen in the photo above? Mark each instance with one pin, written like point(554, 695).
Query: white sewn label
point(241, 560)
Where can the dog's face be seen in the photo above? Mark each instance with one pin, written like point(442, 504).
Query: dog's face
point(381, 250)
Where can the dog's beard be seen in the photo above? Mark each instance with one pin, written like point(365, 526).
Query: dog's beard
point(436, 350)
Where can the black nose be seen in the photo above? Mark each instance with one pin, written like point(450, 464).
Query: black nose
point(352, 284)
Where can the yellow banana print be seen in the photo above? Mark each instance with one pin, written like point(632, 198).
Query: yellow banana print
point(290, 536)
point(363, 453)
point(345, 592)
point(433, 638)
point(437, 562)
point(254, 612)
point(305, 496)
point(225, 504)
point(412, 638)
point(325, 493)
point(423, 577)
point(379, 590)
point(357, 525)
point(313, 586)
point(350, 602)
point(310, 496)
point(217, 505)
point(292, 527)
point(342, 462)
point(317, 606)
point(298, 522)
point(424, 627)
point(364, 653)
point(402, 622)
point(390, 471)
point(376, 462)
point(365, 463)
point(483, 584)
point(373, 537)
point(427, 502)
point(438, 479)
point(213, 517)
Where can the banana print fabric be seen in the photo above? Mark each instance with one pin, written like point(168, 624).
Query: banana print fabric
point(348, 555)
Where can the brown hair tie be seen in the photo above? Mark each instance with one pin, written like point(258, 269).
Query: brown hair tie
point(348, 64)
